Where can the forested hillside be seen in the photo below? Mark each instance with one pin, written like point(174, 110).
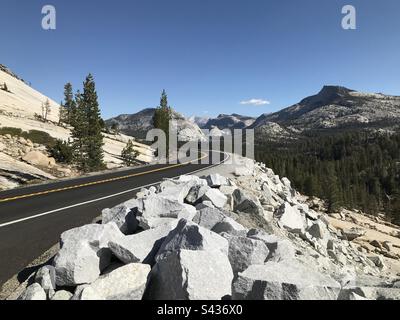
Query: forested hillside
point(351, 169)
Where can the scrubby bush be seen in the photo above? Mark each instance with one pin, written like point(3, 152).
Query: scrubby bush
point(61, 151)
point(39, 137)
point(11, 131)
point(36, 136)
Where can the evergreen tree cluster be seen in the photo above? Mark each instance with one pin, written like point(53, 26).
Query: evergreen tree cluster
point(352, 169)
point(82, 112)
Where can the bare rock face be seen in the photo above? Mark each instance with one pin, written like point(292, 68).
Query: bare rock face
point(176, 190)
point(191, 275)
point(216, 197)
point(143, 246)
point(229, 226)
point(244, 203)
point(123, 216)
point(208, 217)
point(284, 281)
point(124, 283)
point(244, 252)
point(216, 180)
point(156, 210)
point(62, 295)
point(37, 158)
point(196, 193)
point(354, 233)
point(290, 218)
point(46, 277)
point(33, 292)
point(190, 236)
point(84, 253)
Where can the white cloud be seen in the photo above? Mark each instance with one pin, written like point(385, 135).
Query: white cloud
point(255, 102)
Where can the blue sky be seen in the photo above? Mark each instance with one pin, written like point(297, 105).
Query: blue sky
point(208, 54)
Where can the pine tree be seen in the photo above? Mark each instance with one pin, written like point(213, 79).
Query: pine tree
point(79, 134)
point(129, 154)
point(69, 104)
point(94, 122)
point(63, 114)
point(5, 88)
point(163, 116)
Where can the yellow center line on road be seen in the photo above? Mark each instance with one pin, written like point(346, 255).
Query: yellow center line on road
point(99, 181)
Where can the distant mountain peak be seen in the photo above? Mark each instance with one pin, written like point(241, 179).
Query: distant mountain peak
point(335, 107)
point(329, 94)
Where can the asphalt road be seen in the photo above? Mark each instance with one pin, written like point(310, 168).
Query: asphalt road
point(33, 218)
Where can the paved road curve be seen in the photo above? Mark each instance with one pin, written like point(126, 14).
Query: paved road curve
point(32, 219)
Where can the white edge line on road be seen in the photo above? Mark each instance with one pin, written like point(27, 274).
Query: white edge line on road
point(102, 198)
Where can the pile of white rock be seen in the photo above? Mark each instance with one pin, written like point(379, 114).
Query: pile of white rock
point(211, 238)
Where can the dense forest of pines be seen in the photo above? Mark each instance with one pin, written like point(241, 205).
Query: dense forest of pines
point(349, 169)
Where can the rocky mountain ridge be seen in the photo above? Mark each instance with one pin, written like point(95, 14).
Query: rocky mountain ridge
point(246, 234)
point(140, 123)
point(233, 121)
point(334, 107)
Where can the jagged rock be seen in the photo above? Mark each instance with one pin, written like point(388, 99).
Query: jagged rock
point(33, 292)
point(388, 246)
point(268, 198)
point(369, 293)
point(244, 252)
point(353, 233)
point(141, 247)
point(279, 249)
point(216, 180)
point(84, 253)
point(125, 283)
point(156, 207)
point(77, 264)
point(176, 190)
point(196, 193)
point(376, 244)
point(204, 205)
point(87, 294)
point(284, 281)
point(290, 218)
point(217, 198)
point(46, 277)
point(309, 213)
point(230, 226)
point(190, 236)
point(286, 182)
point(78, 292)
point(194, 179)
point(241, 171)
point(378, 261)
point(228, 192)
point(191, 275)
point(123, 216)
point(208, 217)
point(319, 231)
point(62, 295)
point(245, 203)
